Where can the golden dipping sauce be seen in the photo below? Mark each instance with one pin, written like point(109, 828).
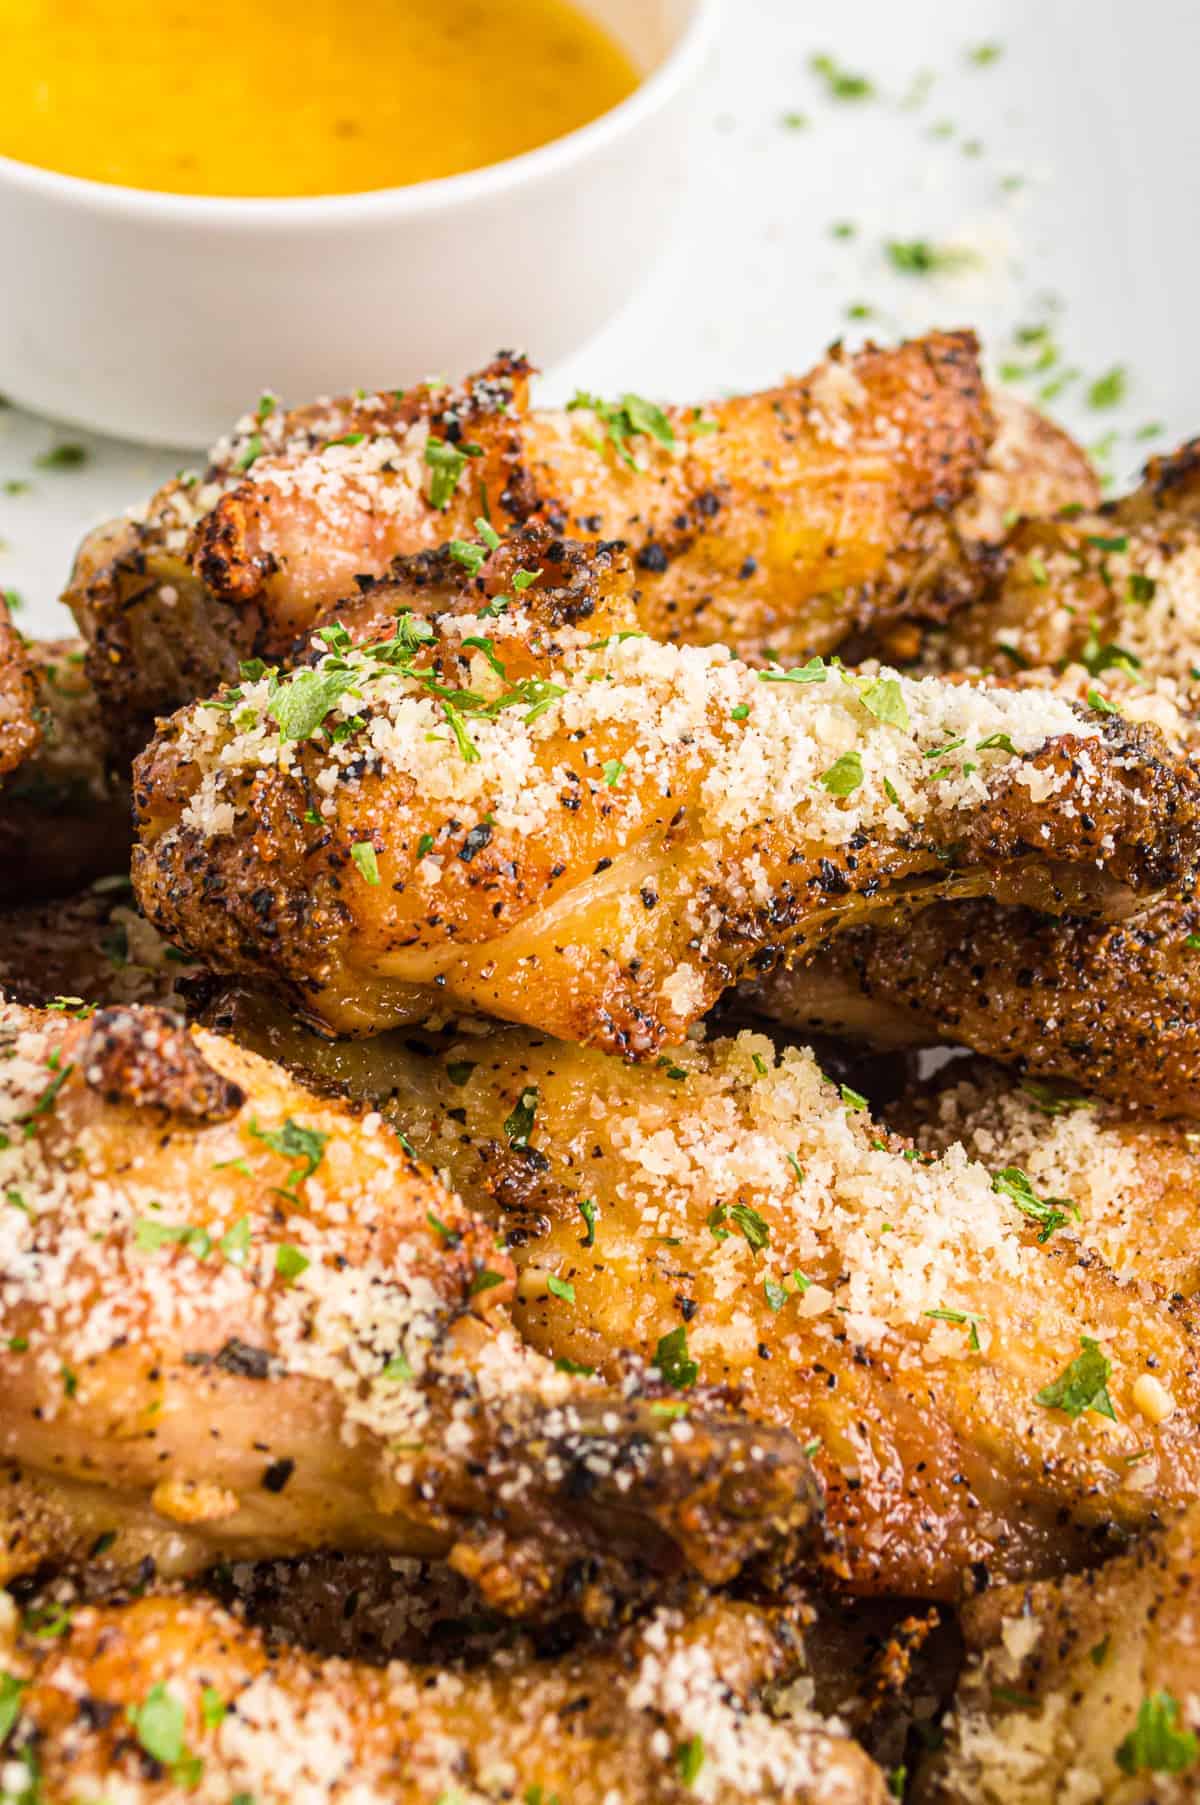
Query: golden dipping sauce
point(288, 97)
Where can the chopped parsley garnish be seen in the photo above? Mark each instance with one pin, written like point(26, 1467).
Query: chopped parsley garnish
point(577, 1371)
point(885, 700)
point(235, 1242)
point(1142, 589)
point(775, 1294)
point(447, 463)
point(158, 1724)
point(614, 770)
point(815, 671)
point(961, 1319)
point(485, 1280)
point(294, 1141)
point(398, 1369)
point(1109, 390)
point(630, 417)
point(852, 1099)
point(1097, 657)
point(587, 1209)
point(757, 1234)
point(844, 776)
point(62, 457)
point(519, 1125)
point(560, 1288)
point(793, 122)
point(450, 1236)
point(689, 1758)
point(459, 1070)
point(249, 454)
point(363, 854)
point(347, 438)
point(1083, 1385)
point(149, 1236)
point(840, 83)
point(984, 54)
point(1052, 1212)
point(1051, 1100)
point(11, 1689)
point(673, 1361)
point(212, 1707)
point(290, 1262)
point(1157, 1744)
point(1100, 703)
point(917, 257)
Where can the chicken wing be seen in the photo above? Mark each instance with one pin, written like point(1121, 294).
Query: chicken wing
point(238, 1321)
point(1134, 1183)
point(181, 1700)
point(1085, 1689)
point(1111, 1007)
point(993, 1375)
point(776, 521)
point(599, 838)
point(1115, 587)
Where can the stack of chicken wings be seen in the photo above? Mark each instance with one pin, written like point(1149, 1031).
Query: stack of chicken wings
point(497, 1302)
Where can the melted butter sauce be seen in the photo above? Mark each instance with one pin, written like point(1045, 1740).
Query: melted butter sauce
point(296, 97)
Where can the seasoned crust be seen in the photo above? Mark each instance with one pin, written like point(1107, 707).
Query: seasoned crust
point(206, 1355)
point(1112, 1007)
point(20, 734)
point(1059, 1677)
point(146, 1058)
point(601, 1724)
point(669, 815)
point(885, 1300)
point(777, 521)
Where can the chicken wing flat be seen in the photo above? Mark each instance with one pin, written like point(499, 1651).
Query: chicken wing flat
point(1115, 587)
point(600, 838)
point(993, 1374)
point(773, 522)
point(1111, 1007)
point(184, 1701)
point(238, 1321)
point(1085, 1689)
point(1134, 1183)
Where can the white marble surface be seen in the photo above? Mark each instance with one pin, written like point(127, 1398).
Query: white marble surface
point(1068, 166)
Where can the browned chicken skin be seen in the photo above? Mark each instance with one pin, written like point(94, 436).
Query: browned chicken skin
point(182, 1700)
point(838, 1279)
point(1111, 1006)
point(1119, 585)
point(598, 836)
point(1086, 1688)
point(240, 1321)
point(777, 522)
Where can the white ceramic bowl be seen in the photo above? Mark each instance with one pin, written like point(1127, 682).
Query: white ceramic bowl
point(160, 317)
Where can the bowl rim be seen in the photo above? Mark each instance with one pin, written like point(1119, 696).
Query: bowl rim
point(442, 194)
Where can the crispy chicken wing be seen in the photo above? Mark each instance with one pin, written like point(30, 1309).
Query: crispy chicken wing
point(1111, 1006)
point(598, 837)
point(172, 1697)
point(776, 520)
point(239, 1321)
point(1135, 1184)
point(1116, 586)
point(1084, 1689)
point(910, 1314)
